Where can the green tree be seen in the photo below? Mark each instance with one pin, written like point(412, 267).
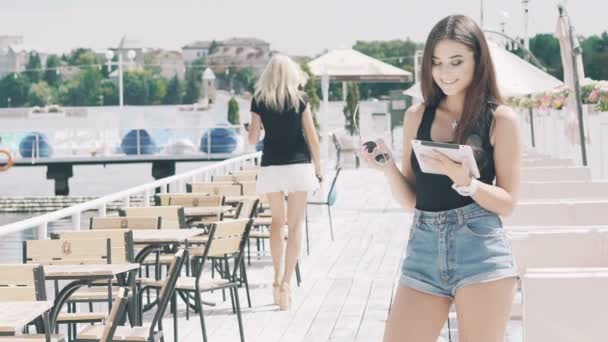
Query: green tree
point(399, 53)
point(352, 100)
point(40, 94)
point(245, 78)
point(545, 47)
point(214, 46)
point(135, 88)
point(174, 92)
point(193, 81)
point(82, 90)
point(595, 56)
point(14, 89)
point(109, 93)
point(33, 68)
point(313, 98)
point(82, 57)
point(233, 111)
point(157, 89)
point(51, 75)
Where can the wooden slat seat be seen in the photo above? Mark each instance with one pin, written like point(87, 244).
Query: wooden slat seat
point(94, 332)
point(81, 317)
point(126, 222)
point(32, 338)
point(172, 216)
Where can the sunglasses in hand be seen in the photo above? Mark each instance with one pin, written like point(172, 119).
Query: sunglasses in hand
point(372, 148)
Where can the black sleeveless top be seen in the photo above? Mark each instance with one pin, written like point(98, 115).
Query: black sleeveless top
point(284, 141)
point(434, 192)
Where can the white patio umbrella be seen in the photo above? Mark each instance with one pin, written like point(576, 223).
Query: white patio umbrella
point(573, 72)
point(350, 65)
point(515, 76)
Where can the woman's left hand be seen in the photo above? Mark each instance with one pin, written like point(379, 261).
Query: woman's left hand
point(459, 173)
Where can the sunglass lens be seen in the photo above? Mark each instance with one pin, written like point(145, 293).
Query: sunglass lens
point(370, 146)
point(382, 158)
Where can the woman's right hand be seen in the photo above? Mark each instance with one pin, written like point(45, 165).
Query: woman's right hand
point(368, 158)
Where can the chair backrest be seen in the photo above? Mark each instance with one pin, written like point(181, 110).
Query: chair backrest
point(248, 209)
point(249, 187)
point(196, 200)
point(333, 189)
point(168, 287)
point(223, 178)
point(227, 237)
point(244, 176)
point(22, 283)
point(127, 222)
point(121, 240)
point(172, 216)
point(67, 251)
point(113, 318)
point(250, 167)
point(218, 189)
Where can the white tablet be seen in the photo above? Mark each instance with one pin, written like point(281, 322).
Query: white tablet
point(457, 153)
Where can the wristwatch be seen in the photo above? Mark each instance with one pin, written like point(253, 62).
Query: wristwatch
point(467, 190)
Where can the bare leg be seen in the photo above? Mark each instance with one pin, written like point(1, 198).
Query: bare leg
point(484, 309)
point(416, 316)
point(277, 240)
point(296, 207)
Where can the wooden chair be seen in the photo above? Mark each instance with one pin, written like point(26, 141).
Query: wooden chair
point(172, 216)
point(26, 283)
point(74, 251)
point(67, 251)
point(127, 222)
point(111, 321)
point(217, 189)
point(249, 188)
point(149, 332)
point(226, 238)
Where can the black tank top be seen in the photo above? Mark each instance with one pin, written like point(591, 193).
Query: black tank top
point(434, 192)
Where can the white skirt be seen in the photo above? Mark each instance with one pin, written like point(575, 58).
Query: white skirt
point(287, 178)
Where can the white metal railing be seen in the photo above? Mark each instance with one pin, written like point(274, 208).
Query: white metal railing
point(176, 182)
point(556, 135)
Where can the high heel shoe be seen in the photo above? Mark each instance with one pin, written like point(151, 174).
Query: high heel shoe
point(285, 298)
point(276, 293)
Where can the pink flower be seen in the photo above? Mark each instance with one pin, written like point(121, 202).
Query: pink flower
point(594, 96)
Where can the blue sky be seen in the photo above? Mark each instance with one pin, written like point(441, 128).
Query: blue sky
point(295, 27)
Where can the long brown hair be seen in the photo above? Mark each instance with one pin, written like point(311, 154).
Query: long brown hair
point(482, 94)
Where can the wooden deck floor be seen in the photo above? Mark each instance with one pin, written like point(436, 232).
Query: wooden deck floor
point(348, 285)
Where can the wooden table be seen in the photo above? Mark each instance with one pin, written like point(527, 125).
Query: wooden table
point(16, 315)
point(164, 236)
point(206, 211)
point(85, 275)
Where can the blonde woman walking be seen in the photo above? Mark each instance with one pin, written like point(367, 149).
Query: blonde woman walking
point(290, 161)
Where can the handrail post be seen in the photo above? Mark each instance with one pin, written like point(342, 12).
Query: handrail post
point(76, 221)
point(43, 231)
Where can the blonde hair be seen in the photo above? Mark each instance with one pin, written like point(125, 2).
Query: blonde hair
point(278, 85)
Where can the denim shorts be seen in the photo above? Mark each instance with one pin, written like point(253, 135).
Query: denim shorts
point(450, 249)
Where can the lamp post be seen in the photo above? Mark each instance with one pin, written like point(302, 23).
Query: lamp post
point(109, 56)
point(525, 4)
point(504, 17)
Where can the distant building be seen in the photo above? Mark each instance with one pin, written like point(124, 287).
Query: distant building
point(168, 63)
point(11, 59)
point(195, 50)
point(240, 53)
point(233, 52)
point(208, 90)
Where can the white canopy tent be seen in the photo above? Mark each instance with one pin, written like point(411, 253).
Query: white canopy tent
point(515, 76)
point(344, 65)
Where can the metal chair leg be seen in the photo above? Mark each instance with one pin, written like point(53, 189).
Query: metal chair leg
point(307, 237)
point(331, 226)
